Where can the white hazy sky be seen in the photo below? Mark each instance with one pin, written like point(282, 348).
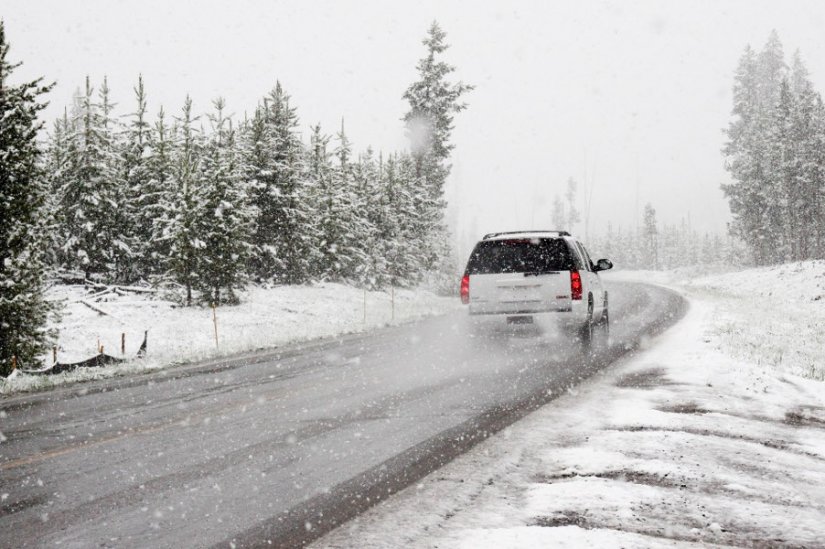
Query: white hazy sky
point(630, 95)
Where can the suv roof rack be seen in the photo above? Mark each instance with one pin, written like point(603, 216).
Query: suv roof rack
point(493, 235)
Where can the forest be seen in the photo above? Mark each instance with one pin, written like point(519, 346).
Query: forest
point(202, 205)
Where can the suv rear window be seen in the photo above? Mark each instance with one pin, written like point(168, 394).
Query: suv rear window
point(538, 255)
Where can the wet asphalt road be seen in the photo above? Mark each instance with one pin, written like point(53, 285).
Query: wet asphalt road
point(276, 448)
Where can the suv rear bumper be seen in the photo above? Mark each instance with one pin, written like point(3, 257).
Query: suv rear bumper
point(569, 313)
point(517, 311)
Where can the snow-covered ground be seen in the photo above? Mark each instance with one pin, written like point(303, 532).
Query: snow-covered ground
point(712, 435)
point(267, 317)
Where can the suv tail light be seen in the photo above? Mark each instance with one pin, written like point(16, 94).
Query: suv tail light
point(575, 285)
point(465, 289)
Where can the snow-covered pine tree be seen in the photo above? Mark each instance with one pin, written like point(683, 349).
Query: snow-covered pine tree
point(140, 200)
point(258, 173)
point(356, 228)
point(282, 235)
point(184, 210)
point(327, 259)
point(817, 177)
point(293, 234)
point(766, 155)
point(772, 72)
point(651, 238)
point(573, 216)
point(395, 220)
point(558, 214)
point(743, 152)
point(374, 272)
point(786, 185)
point(224, 223)
point(59, 155)
point(809, 161)
point(708, 253)
point(159, 199)
point(24, 310)
point(433, 102)
point(424, 224)
point(118, 221)
point(89, 193)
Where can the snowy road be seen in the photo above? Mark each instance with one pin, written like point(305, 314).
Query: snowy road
point(278, 446)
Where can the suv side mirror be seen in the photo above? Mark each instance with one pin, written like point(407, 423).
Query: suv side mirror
point(603, 265)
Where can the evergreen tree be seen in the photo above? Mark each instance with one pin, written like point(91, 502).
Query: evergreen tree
point(159, 197)
point(327, 259)
point(808, 164)
point(573, 216)
point(140, 199)
point(89, 194)
point(433, 102)
point(185, 207)
point(259, 174)
point(651, 237)
point(398, 223)
point(775, 156)
point(743, 150)
point(224, 221)
point(770, 71)
point(118, 222)
point(24, 310)
point(355, 226)
point(558, 215)
point(60, 153)
point(282, 236)
point(373, 273)
point(293, 231)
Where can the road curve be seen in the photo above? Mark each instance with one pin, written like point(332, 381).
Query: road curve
point(276, 448)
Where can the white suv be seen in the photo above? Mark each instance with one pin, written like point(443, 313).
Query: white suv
point(519, 275)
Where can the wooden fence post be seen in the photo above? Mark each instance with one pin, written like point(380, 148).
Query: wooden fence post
point(123, 343)
point(215, 322)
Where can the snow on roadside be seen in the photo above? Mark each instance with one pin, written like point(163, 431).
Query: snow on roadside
point(691, 443)
point(772, 316)
point(267, 317)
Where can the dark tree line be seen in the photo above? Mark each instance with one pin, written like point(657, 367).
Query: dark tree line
point(207, 204)
point(776, 156)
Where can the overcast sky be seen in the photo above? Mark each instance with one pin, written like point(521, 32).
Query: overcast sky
point(632, 96)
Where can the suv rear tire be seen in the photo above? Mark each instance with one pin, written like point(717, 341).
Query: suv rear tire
point(586, 331)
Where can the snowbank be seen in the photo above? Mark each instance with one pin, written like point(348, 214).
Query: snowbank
point(707, 437)
point(772, 316)
point(267, 317)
